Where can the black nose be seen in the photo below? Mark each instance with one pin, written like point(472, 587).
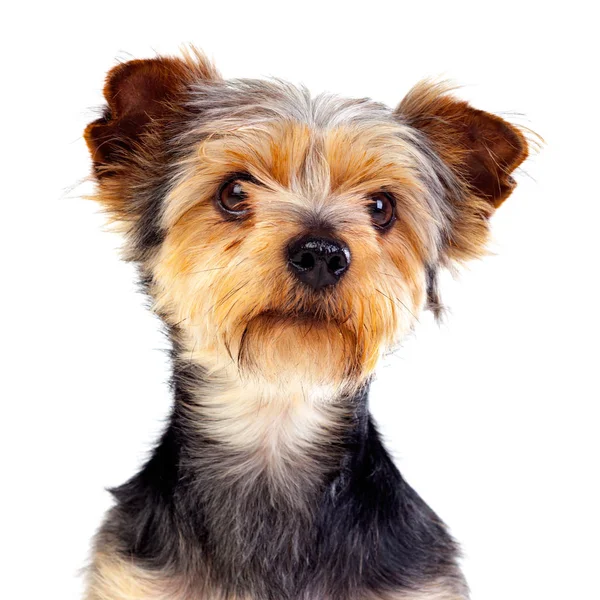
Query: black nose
point(318, 261)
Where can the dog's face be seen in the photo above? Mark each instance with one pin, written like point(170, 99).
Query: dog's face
point(290, 238)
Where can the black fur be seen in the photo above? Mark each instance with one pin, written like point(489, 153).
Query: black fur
point(365, 528)
point(434, 303)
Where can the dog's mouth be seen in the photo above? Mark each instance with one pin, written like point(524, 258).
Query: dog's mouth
point(305, 342)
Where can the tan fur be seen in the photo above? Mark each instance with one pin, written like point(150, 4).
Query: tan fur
point(430, 593)
point(113, 578)
point(218, 278)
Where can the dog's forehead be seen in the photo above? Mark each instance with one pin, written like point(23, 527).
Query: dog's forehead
point(280, 127)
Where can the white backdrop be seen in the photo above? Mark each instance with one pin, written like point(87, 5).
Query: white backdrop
point(493, 417)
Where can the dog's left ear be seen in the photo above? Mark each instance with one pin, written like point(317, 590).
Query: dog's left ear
point(478, 150)
point(139, 95)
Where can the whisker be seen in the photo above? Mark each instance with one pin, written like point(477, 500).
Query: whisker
point(227, 296)
point(400, 303)
point(390, 275)
point(214, 268)
point(204, 270)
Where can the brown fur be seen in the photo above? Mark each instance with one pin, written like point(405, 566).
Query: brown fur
point(481, 149)
point(138, 93)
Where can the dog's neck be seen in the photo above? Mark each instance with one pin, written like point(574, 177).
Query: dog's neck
point(270, 428)
point(258, 464)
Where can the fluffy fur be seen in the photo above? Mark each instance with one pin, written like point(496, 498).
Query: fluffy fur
point(270, 482)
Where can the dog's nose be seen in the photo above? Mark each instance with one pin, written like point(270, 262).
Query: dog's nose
point(318, 261)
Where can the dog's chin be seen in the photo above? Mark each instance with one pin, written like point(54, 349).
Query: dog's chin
point(297, 318)
point(301, 346)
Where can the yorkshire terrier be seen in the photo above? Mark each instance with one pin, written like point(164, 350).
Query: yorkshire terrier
point(287, 242)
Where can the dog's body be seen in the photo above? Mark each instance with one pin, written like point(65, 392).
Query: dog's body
point(287, 242)
point(341, 524)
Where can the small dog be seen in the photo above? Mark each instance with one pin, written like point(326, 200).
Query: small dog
point(287, 242)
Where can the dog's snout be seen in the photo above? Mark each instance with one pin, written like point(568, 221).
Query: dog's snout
point(317, 261)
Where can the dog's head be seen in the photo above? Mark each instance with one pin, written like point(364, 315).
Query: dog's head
point(290, 237)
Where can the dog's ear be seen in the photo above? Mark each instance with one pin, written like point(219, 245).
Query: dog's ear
point(139, 93)
point(479, 150)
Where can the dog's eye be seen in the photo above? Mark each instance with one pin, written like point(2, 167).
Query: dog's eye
point(232, 196)
point(383, 209)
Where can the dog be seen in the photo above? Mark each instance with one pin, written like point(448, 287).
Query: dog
point(287, 242)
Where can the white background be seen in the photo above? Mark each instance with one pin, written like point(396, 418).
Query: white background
point(493, 418)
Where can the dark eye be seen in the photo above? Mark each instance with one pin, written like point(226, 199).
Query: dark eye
point(383, 209)
point(232, 196)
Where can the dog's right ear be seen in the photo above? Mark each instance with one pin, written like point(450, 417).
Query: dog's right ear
point(140, 93)
point(480, 150)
